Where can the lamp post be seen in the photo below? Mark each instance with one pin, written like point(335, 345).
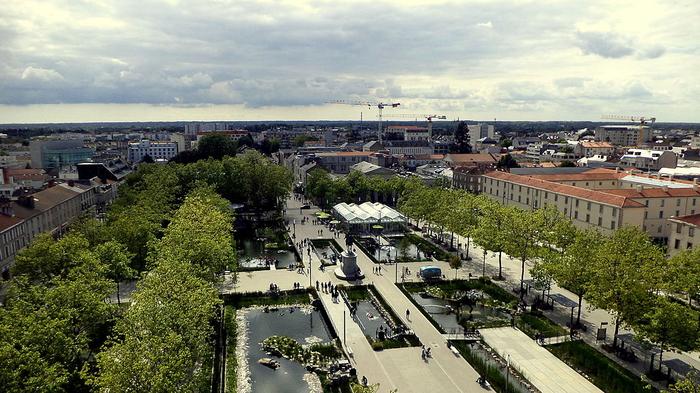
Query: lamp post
point(344, 325)
point(507, 371)
point(483, 271)
point(309, 253)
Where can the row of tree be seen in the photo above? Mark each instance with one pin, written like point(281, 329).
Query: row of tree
point(356, 187)
point(622, 272)
point(163, 342)
point(218, 146)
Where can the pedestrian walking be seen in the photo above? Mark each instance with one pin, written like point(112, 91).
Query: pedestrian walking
point(408, 314)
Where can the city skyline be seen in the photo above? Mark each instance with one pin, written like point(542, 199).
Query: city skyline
point(64, 61)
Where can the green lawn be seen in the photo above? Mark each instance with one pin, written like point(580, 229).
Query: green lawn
point(531, 324)
point(603, 372)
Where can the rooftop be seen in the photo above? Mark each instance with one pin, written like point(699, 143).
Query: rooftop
point(693, 219)
point(368, 212)
point(596, 145)
point(564, 189)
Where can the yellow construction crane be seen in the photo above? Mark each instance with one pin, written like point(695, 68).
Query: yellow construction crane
point(429, 118)
point(641, 120)
point(379, 105)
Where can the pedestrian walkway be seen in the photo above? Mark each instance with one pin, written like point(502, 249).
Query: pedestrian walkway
point(544, 370)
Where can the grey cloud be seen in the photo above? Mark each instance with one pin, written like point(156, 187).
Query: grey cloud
point(604, 44)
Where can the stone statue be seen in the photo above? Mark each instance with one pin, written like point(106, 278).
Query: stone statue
point(349, 241)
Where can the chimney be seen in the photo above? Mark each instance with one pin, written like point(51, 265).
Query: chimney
point(665, 188)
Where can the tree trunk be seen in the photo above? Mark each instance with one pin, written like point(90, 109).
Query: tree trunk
point(661, 357)
point(578, 318)
point(119, 301)
point(617, 330)
point(452, 240)
point(522, 278)
point(500, 271)
point(468, 239)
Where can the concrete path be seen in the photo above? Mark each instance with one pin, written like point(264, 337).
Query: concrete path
point(544, 370)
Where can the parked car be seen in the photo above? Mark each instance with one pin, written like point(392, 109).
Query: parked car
point(430, 272)
point(307, 206)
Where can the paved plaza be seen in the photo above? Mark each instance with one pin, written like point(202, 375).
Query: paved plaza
point(544, 370)
point(400, 368)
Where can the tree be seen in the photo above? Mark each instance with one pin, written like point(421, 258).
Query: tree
point(489, 233)
point(507, 161)
point(216, 146)
point(522, 235)
point(686, 385)
point(46, 258)
point(455, 263)
point(669, 325)
point(147, 159)
point(572, 268)
point(117, 258)
point(684, 273)
point(626, 276)
point(402, 248)
point(461, 144)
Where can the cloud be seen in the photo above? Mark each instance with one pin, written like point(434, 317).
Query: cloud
point(40, 74)
point(652, 52)
point(604, 44)
point(487, 25)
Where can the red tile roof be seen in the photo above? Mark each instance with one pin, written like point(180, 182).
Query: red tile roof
point(465, 158)
point(564, 189)
point(693, 219)
point(596, 145)
point(655, 192)
point(593, 174)
point(344, 153)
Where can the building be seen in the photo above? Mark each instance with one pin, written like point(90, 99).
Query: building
point(156, 150)
point(624, 135)
point(340, 162)
point(193, 128)
point(600, 198)
point(410, 147)
point(479, 131)
point(50, 210)
point(684, 233)
point(649, 160)
point(235, 135)
point(369, 169)
point(183, 141)
point(411, 133)
point(54, 154)
point(592, 148)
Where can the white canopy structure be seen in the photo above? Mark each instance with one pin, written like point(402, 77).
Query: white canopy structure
point(360, 218)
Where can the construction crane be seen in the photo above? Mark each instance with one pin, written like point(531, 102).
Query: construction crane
point(642, 120)
point(379, 105)
point(415, 116)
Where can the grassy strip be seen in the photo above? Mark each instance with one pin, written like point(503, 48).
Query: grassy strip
point(531, 324)
point(299, 296)
point(428, 248)
point(356, 293)
point(231, 366)
point(482, 284)
point(603, 372)
point(492, 372)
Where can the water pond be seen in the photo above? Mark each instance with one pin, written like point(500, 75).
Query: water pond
point(301, 323)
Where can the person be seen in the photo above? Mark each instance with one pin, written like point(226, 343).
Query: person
point(408, 314)
point(317, 285)
point(427, 352)
point(364, 381)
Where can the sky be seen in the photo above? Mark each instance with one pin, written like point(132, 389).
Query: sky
point(153, 60)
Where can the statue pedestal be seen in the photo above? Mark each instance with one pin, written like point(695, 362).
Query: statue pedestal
point(348, 269)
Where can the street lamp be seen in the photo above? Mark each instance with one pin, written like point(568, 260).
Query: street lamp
point(344, 343)
point(309, 253)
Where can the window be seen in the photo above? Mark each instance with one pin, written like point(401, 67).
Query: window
point(556, 197)
point(600, 209)
point(600, 221)
point(678, 202)
point(678, 228)
point(612, 225)
point(600, 183)
point(693, 201)
point(566, 199)
point(677, 244)
point(691, 231)
point(588, 218)
point(646, 203)
point(663, 202)
point(677, 213)
point(576, 215)
point(573, 184)
point(690, 245)
point(565, 211)
point(646, 214)
point(577, 203)
point(586, 183)
point(661, 214)
point(518, 198)
point(614, 212)
point(588, 206)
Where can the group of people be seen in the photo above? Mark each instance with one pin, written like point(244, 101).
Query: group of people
point(274, 287)
point(297, 285)
point(425, 352)
point(377, 270)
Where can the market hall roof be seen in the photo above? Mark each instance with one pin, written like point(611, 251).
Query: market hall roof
point(367, 212)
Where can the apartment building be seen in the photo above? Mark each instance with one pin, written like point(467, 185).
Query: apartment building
point(624, 135)
point(649, 160)
point(601, 198)
point(413, 147)
point(50, 210)
point(480, 131)
point(685, 233)
point(411, 133)
point(156, 150)
point(592, 148)
point(340, 162)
